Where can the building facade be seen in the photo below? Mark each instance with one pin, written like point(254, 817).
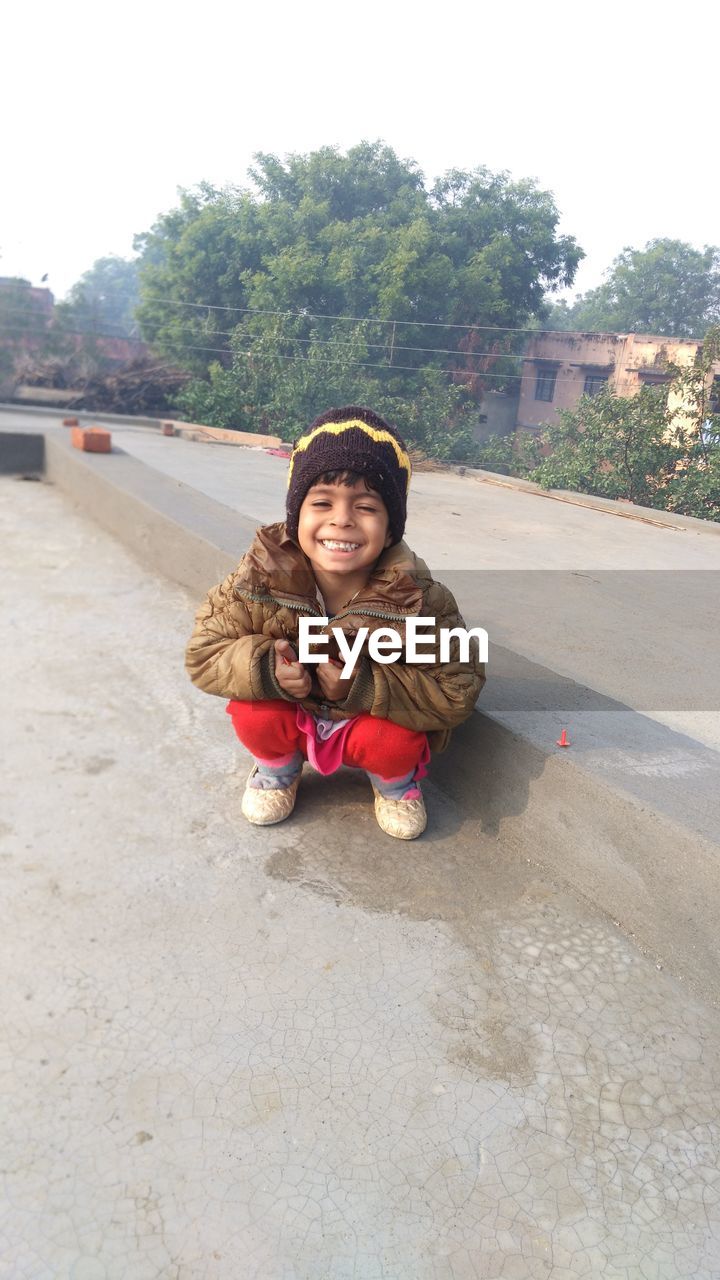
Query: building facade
point(559, 368)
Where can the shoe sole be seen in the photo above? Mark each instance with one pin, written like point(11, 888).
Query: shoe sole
point(400, 835)
point(268, 822)
point(396, 835)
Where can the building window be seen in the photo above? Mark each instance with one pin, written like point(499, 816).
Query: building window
point(594, 383)
point(545, 384)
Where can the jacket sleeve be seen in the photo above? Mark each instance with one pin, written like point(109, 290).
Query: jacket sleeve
point(427, 697)
point(231, 650)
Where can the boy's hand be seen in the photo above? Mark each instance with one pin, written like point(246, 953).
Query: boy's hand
point(334, 688)
point(289, 673)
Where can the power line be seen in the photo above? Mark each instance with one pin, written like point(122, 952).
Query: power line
point(50, 322)
point(379, 346)
point(320, 315)
point(51, 330)
point(353, 364)
point(240, 351)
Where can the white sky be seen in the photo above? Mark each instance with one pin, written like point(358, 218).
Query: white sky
point(107, 110)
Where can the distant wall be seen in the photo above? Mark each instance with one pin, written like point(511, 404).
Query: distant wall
point(558, 368)
point(500, 410)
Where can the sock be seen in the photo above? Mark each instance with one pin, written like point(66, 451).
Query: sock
point(276, 777)
point(397, 788)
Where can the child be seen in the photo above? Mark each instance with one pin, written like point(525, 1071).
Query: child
point(339, 555)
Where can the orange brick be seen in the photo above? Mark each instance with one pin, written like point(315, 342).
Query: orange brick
point(92, 439)
point(70, 422)
point(168, 429)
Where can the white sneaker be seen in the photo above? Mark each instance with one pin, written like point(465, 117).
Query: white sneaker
point(403, 819)
point(265, 807)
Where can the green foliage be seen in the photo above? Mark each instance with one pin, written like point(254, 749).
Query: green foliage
point(562, 315)
point(20, 308)
point(24, 321)
point(639, 448)
point(295, 379)
point(59, 346)
point(510, 455)
point(695, 488)
point(103, 300)
point(611, 445)
point(356, 235)
point(272, 381)
point(668, 288)
point(659, 448)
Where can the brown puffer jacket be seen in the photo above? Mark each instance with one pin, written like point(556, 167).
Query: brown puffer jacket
point(231, 651)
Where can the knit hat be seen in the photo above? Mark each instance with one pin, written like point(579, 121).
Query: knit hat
point(351, 439)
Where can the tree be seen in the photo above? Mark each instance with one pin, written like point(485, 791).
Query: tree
point(561, 315)
point(668, 288)
point(613, 446)
point(25, 318)
point(354, 235)
point(264, 390)
point(103, 300)
point(639, 448)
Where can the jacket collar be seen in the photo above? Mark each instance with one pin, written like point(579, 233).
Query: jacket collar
point(275, 565)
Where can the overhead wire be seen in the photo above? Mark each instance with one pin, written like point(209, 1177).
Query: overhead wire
point(357, 364)
point(380, 346)
point(320, 315)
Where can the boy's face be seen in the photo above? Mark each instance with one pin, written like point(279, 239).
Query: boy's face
point(343, 529)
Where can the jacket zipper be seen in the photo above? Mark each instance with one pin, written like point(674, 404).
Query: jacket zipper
point(370, 613)
point(288, 604)
point(284, 604)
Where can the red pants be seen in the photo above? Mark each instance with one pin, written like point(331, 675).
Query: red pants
point(269, 731)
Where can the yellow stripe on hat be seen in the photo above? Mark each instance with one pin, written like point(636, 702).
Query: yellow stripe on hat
point(337, 428)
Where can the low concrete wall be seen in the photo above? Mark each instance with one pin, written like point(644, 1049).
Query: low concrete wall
point(188, 430)
point(613, 506)
point(655, 878)
point(654, 875)
point(196, 431)
point(163, 522)
point(55, 415)
point(21, 454)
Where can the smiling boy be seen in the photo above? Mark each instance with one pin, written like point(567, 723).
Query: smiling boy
point(339, 555)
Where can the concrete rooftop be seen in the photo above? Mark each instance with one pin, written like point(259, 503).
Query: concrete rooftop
point(580, 591)
point(309, 1052)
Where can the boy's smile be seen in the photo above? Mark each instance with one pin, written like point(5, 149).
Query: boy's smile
point(343, 530)
point(346, 548)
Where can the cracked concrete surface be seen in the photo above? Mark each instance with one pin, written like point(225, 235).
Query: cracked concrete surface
point(307, 1052)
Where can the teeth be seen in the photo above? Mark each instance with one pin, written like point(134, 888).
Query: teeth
point(339, 546)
